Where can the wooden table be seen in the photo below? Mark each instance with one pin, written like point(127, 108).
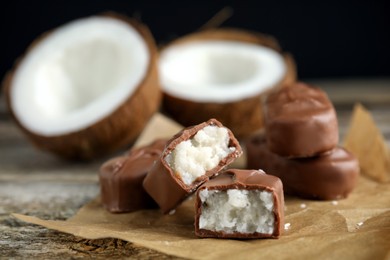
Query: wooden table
point(35, 183)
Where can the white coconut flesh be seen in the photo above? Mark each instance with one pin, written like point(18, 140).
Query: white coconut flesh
point(219, 71)
point(236, 210)
point(77, 75)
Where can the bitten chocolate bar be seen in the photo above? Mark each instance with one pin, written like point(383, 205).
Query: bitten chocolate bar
point(240, 204)
point(190, 158)
point(328, 176)
point(121, 179)
point(300, 121)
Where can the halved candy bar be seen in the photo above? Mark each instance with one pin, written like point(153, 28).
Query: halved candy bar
point(190, 158)
point(328, 176)
point(300, 121)
point(121, 179)
point(240, 204)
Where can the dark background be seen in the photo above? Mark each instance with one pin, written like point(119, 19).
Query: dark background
point(328, 39)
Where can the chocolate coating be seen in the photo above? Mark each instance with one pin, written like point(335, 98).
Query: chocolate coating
point(121, 179)
point(329, 176)
point(166, 187)
point(157, 146)
point(300, 122)
point(244, 180)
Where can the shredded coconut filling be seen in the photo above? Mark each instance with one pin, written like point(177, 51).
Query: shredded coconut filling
point(234, 210)
point(192, 158)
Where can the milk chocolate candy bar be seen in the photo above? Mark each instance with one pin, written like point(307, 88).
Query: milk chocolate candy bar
point(121, 179)
point(190, 158)
point(240, 204)
point(328, 176)
point(300, 122)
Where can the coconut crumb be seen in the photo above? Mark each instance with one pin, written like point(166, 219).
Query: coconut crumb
point(172, 212)
point(359, 225)
point(303, 205)
point(335, 202)
point(287, 226)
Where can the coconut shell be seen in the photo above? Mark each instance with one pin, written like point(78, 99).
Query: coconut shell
point(243, 117)
point(118, 129)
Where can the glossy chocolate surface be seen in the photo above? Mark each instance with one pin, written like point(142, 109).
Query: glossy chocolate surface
point(121, 179)
point(329, 176)
point(244, 180)
point(166, 187)
point(300, 122)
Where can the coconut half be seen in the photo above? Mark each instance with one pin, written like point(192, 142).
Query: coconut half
point(223, 74)
point(87, 87)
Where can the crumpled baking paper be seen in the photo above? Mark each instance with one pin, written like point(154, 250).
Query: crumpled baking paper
point(365, 140)
point(354, 228)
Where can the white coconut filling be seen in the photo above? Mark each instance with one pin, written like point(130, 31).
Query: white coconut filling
point(78, 74)
point(192, 158)
point(219, 71)
point(234, 210)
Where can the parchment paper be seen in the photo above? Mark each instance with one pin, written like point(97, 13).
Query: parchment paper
point(354, 228)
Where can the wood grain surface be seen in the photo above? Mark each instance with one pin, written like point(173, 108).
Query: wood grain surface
point(36, 183)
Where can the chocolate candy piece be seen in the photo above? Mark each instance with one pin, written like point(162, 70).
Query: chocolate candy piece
point(190, 158)
point(240, 204)
point(329, 176)
point(121, 179)
point(300, 121)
